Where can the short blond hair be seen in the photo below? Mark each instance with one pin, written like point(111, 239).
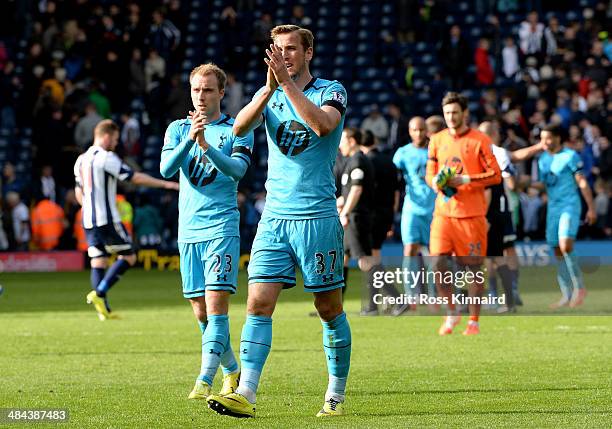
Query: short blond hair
point(210, 68)
point(305, 35)
point(104, 127)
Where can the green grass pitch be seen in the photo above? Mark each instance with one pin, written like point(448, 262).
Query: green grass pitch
point(522, 371)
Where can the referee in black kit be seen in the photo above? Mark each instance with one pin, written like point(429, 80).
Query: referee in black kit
point(356, 209)
point(385, 203)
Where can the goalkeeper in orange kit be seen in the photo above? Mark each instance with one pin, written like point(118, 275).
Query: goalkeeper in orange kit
point(460, 165)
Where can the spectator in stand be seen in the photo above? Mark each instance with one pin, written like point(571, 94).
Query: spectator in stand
point(398, 127)
point(130, 135)
point(134, 31)
point(261, 32)
point(531, 204)
point(50, 134)
point(21, 221)
point(605, 159)
point(234, 36)
point(46, 187)
point(83, 132)
point(234, 96)
point(454, 54)
point(138, 81)
point(531, 34)
point(298, 17)
point(163, 36)
point(9, 85)
point(112, 71)
point(178, 100)
point(484, 67)
point(10, 181)
point(101, 102)
point(553, 34)
point(510, 59)
point(492, 31)
point(154, 69)
point(176, 15)
point(377, 124)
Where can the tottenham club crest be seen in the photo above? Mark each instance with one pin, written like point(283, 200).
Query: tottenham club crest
point(201, 172)
point(292, 138)
point(456, 163)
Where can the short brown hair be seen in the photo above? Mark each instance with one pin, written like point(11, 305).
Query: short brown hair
point(434, 124)
point(210, 68)
point(554, 129)
point(455, 97)
point(305, 34)
point(105, 126)
point(353, 133)
point(367, 138)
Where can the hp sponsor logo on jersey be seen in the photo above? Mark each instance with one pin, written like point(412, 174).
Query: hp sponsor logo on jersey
point(292, 138)
point(201, 172)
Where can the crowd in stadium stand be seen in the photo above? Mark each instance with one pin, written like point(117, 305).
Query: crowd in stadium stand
point(84, 61)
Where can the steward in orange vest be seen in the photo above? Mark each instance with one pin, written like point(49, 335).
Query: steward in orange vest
point(47, 224)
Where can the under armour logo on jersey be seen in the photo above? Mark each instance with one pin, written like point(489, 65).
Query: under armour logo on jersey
point(328, 278)
point(278, 105)
point(223, 139)
point(212, 352)
point(292, 138)
point(222, 277)
point(244, 351)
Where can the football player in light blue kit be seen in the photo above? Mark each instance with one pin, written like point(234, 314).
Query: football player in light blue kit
point(211, 161)
point(419, 200)
point(304, 118)
point(560, 169)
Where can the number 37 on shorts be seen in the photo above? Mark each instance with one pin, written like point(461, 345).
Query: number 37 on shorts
point(313, 245)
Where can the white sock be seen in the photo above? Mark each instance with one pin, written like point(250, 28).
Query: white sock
point(247, 393)
point(332, 395)
point(451, 320)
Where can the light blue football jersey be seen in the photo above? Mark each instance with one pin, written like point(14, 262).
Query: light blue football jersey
point(300, 182)
point(557, 172)
point(207, 198)
point(420, 199)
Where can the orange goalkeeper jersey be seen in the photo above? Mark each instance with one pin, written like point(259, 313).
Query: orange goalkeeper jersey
point(471, 154)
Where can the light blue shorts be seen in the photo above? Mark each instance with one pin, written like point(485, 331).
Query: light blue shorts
point(561, 224)
point(209, 265)
point(415, 228)
point(313, 245)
